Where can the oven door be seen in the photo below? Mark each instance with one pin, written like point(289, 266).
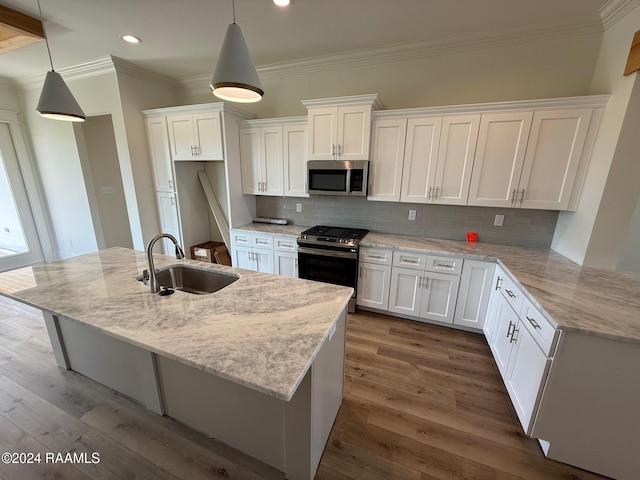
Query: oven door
point(329, 266)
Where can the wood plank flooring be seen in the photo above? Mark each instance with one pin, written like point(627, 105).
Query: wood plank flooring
point(421, 402)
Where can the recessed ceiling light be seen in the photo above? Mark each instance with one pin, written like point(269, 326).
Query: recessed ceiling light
point(282, 3)
point(130, 38)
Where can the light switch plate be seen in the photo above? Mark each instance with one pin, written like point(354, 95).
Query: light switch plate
point(412, 214)
point(298, 207)
point(499, 220)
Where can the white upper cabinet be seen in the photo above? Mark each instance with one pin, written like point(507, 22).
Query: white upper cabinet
point(420, 159)
point(458, 138)
point(196, 136)
point(554, 151)
point(502, 142)
point(158, 143)
point(529, 159)
point(273, 157)
point(340, 128)
point(387, 157)
point(341, 132)
point(294, 143)
point(262, 160)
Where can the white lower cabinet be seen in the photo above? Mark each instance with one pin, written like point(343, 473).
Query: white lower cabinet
point(285, 250)
point(474, 293)
point(424, 293)
point(265, 252)
point(522, 344)
point(252, 251)
point(374, 277)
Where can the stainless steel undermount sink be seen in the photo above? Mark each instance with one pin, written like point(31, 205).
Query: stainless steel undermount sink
point(191, 279)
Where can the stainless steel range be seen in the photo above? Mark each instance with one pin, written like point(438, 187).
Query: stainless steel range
point(330, 254)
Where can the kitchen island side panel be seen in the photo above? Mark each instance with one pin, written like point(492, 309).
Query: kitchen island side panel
point(589, 408)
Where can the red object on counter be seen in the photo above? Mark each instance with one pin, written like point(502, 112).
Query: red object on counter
point(472, 236)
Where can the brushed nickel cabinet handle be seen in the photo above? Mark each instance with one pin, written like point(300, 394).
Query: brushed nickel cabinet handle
point(513, 196)
point(522, 197)
point(533, 323)
point(498, 283)
point(509, 330)
point(510, 293)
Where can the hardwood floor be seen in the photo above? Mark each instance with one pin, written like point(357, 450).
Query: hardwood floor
point(421, 402)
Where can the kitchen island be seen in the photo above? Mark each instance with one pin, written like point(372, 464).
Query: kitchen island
point(258, 365)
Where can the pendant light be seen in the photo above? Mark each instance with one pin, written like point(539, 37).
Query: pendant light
point(56, 100)
point(235, 77)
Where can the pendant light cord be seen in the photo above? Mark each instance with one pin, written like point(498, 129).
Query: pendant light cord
point(233, 6)
point(46, 39)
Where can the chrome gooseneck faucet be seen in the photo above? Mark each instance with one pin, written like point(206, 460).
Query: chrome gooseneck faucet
point(153, 284)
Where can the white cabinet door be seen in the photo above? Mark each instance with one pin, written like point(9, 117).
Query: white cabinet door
point(524, 378)
point(374, 281)
point(294, 140)
point(243, 258)
point(354, 132)
point(553, 155)
point(387, 157)
point(263, 260)
point(490, 322)
point(272, 163)
point(169, 220)
point(502, 142)
point(420, 158)
point(439, 296)
point(159, 153)
point(339, 132)
point(502, 342)
point(456, 152)
point(286, 264)
point(323, 130)
point(250, 161)
point(475, 289)
point(208, 136)
point(181, 137)
point(405, 291)
point(261, 160)
point(196, 136)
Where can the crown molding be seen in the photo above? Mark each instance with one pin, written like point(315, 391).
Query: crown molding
point(101, 66)
point(124, 67)
point(615, 10)
point(543, 103)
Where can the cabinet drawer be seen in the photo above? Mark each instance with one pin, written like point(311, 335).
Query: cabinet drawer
point(444, 264)
point(285, 244)
point(376, 255)
point(262, 241)
point(240, 238)
point(409, 260)
point(544, 333)
point(513, 294)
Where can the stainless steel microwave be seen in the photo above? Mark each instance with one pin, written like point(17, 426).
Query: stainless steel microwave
point(337, 177)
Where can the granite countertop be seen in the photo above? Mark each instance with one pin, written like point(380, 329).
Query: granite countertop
point(263, 331)
point(274, 229)
point(590, 300)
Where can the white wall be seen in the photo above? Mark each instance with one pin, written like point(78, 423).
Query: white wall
point(137, 95)
point(101, 168)
point(630, 256)
point(593, 234)
point(521, 70)
point(59, 163)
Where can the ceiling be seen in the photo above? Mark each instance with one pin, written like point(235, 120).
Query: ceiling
point(181, 39)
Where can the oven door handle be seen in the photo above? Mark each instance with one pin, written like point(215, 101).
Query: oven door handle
point(327, 253)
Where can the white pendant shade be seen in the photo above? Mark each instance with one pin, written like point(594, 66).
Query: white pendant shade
point(57, 101)
point(235, 77)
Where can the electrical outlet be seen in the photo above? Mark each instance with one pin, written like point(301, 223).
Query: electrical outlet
point(499, 220)
point(298, 207)
point(108, 190)
point(412, 214)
